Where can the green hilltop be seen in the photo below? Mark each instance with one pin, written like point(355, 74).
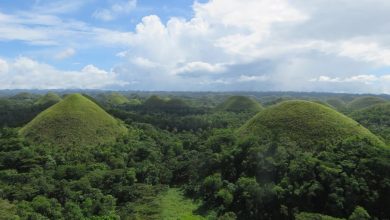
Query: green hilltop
point(75, 121)
point(114, 99)
point(48, 99)
point(306, 123)
point(156, 103)
point(376, 118)
point(336, 103)
point(364, 102)
point(240, 104)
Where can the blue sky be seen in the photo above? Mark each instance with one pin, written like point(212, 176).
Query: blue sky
point(204, 45)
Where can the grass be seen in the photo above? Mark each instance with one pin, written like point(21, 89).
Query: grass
point(115, 99)
point(49, 98)
point(376, 118)
point(174, 206)
point(306, 123)
point(75, 121)
point(336, 103)
point(240, 104)
point(364, 102)
point(160, 202)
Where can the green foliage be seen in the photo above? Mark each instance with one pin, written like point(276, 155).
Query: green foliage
point(228, 216)
point(48, 100)
point(171, 105)
point(15, 112)
point(306, 123)
point(313, 216)
point(376, 118)
point(337, 103)
point(75, 121)
point(8, 210)
point(364, 102)
point(113, 99)
point(174, 205)
point(359, 214)
point(295, 159)
point(240, 104)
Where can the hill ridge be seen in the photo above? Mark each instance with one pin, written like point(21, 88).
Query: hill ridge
point(306, 123)
point(74, 121)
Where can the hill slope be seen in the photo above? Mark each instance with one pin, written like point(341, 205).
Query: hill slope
point(114, 99)
point(306, 123)
point(336, 103)
point(364, 102)
point(75, 121)
point(376, 118)
point(240, 104)
point(48, 99)
point(168, 105)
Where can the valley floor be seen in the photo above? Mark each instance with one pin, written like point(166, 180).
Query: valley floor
point(175, 206)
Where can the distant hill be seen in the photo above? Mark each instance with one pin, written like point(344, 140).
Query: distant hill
point(74, 121)
point(240, 104)
point(376, 118)
point(154, 102)
point(364, 102)
point(48, 99)
point(134, 102)
point(25, 96)
point(169, 105)
point(112, 99)
point(336, 103)
point(306, 123)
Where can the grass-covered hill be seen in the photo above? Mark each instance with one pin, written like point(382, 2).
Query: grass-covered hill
point(364, 102)
point(75, 121)
point(48, 99)
point(306, 123)
point(25, 96)
point(240, 104)
point(336, 103)
point(376, 118)
point(113, 99)
point(170, 105)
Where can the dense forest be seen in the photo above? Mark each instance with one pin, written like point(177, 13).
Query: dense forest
point(141, 155)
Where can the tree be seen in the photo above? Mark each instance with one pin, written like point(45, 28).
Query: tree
point(359, 214)
point(8, 210)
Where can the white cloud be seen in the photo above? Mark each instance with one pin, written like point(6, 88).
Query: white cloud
point(144, 63)
point(3, 66)
point(247, 23)
point(25, 73)
point(117, 9)
point(58, 7)
point(199, 67)
point(366, 51)
point(51, 30)
point(65, 53)
point(246, 78)
point(218, 36)
point(230, 44)
point(366, 79)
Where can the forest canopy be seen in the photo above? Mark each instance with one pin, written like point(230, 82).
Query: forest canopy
point(182, 156)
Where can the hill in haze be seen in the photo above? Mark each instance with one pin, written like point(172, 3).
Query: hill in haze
point(75, 121)
point(170, 105)
point(113, 99)
point(364, 102)
point(240, 104)
point(336, 103)
point(48, 99)
point(306, 123)
point(376, 118)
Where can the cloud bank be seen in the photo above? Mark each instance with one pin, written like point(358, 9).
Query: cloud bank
point(25, 73)
point(225, 45)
